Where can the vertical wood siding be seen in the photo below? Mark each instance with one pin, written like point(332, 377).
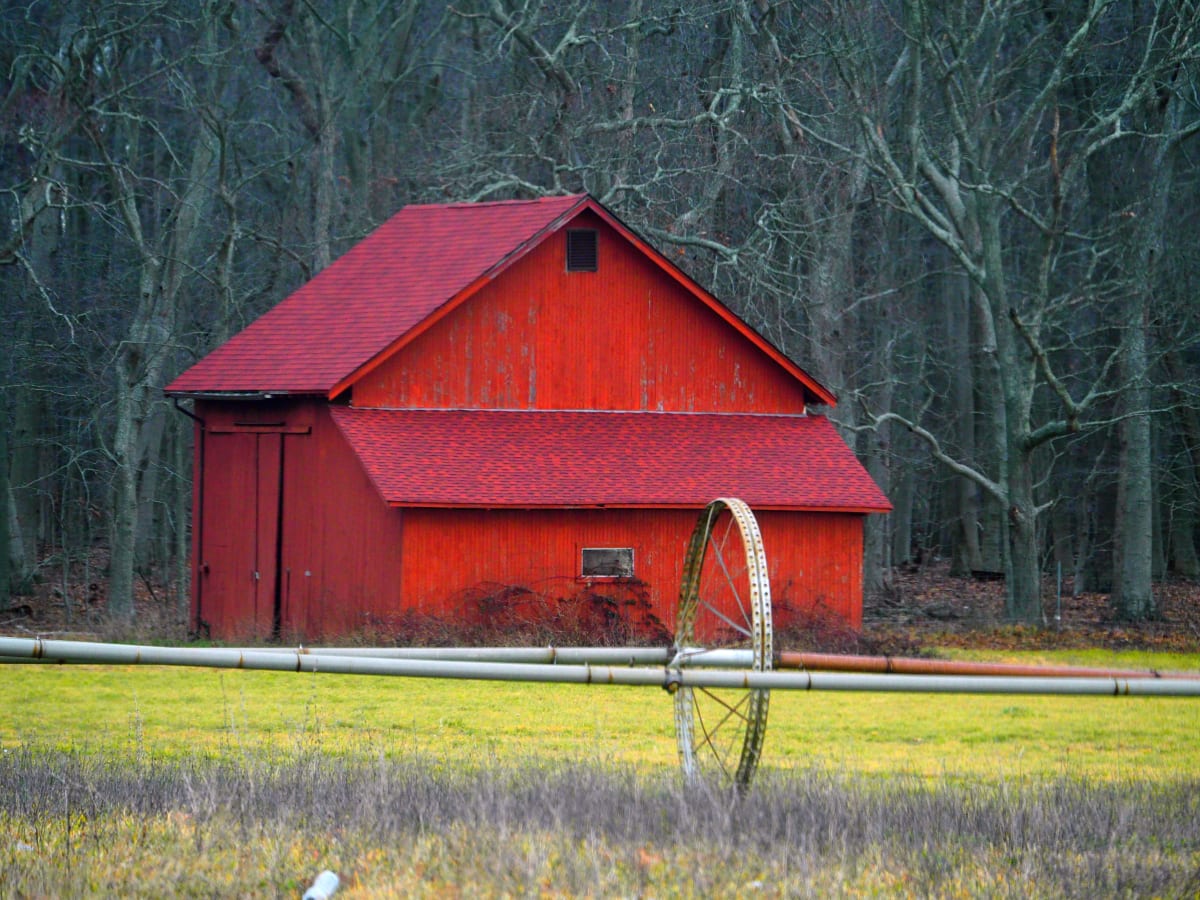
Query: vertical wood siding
point(814, 560)
point(224, 598)
point(624, 337)
point(815, 564)
point(453, 555)
point(334, 568)
point(341, 549)
point(345, 562)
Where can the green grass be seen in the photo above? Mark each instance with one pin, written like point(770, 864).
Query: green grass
point(1093, 658)
point(178, 712)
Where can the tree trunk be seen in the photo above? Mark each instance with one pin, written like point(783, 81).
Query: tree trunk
point(1023, 597)
point(1133, 571)
point(5, 543)
point(150, 451)
point(23, 483)
point(1009, 367)
point(1186, 498)
point(902, 517)
point(142, 359)
point(965, 553)
point(1133, 596)
point(183, 501)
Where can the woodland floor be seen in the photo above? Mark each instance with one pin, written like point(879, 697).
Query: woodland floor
point(929, 607)
point(924, 607)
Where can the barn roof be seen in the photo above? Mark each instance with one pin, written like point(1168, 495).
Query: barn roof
point(533, 458)
point(416, 267)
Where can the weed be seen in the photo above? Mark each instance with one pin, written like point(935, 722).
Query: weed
point(415, 825)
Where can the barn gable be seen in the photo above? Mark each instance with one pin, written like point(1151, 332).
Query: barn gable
point(623, 334)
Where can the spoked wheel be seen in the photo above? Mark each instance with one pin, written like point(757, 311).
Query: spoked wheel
point(724, 602)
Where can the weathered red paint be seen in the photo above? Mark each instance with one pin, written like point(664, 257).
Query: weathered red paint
point(814, 559)
point(339, 566)
point(625, 337)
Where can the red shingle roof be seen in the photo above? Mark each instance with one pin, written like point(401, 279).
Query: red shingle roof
point(518, 458)
point(392, 280)
point(423, 260)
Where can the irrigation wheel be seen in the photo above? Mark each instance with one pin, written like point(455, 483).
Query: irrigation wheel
point(724, 601)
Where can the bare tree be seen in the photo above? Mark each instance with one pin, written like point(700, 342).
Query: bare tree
point(987, 159)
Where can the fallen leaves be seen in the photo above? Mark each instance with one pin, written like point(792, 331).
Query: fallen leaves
point(928, 605)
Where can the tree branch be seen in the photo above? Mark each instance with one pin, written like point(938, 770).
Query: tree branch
point(941, 456)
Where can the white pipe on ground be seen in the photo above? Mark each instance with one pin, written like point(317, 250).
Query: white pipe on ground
point(324, 887)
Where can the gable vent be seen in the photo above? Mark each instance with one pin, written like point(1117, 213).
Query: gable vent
point(581, 250)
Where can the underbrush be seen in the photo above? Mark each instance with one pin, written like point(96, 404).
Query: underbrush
point(922, 609)
point(80, 825)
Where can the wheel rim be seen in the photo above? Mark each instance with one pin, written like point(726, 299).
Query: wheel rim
point(725, 601)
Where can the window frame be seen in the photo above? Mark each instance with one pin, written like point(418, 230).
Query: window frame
point(626, 573)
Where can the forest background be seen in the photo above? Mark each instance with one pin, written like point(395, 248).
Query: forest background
point(976, 221)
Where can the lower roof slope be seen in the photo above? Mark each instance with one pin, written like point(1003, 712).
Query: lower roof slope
point(531, 458)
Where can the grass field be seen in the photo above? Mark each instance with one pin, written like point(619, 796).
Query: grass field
point(154, 781)
point(177, 712)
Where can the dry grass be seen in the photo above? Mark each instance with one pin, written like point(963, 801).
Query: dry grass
point(89, 825)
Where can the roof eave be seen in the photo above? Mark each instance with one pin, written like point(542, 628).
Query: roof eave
point(263, 394)
point(674, 504)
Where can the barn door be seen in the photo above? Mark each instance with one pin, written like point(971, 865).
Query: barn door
point(267, 521)
point(242, 508)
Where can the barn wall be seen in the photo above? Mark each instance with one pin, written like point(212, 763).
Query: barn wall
point(283, 496)
point(292, 537)
point(341, 552)
point(815, 561)
point(455, 556)
point(625, 337)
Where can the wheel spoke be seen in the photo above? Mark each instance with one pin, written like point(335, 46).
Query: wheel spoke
point(731, 710)
point(709, 734)
point(729, 580)
point(724, 618)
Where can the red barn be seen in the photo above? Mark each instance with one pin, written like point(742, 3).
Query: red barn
point(502, 396)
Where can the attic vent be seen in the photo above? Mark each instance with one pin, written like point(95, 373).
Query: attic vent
point(581, 250)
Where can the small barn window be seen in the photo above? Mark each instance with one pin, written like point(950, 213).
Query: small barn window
point(581, 250)
point(607, 562)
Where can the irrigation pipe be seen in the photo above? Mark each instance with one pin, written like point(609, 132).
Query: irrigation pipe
point(660, 676)
point(738, 659)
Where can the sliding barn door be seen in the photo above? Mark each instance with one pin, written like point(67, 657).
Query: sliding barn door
point(241, 517)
